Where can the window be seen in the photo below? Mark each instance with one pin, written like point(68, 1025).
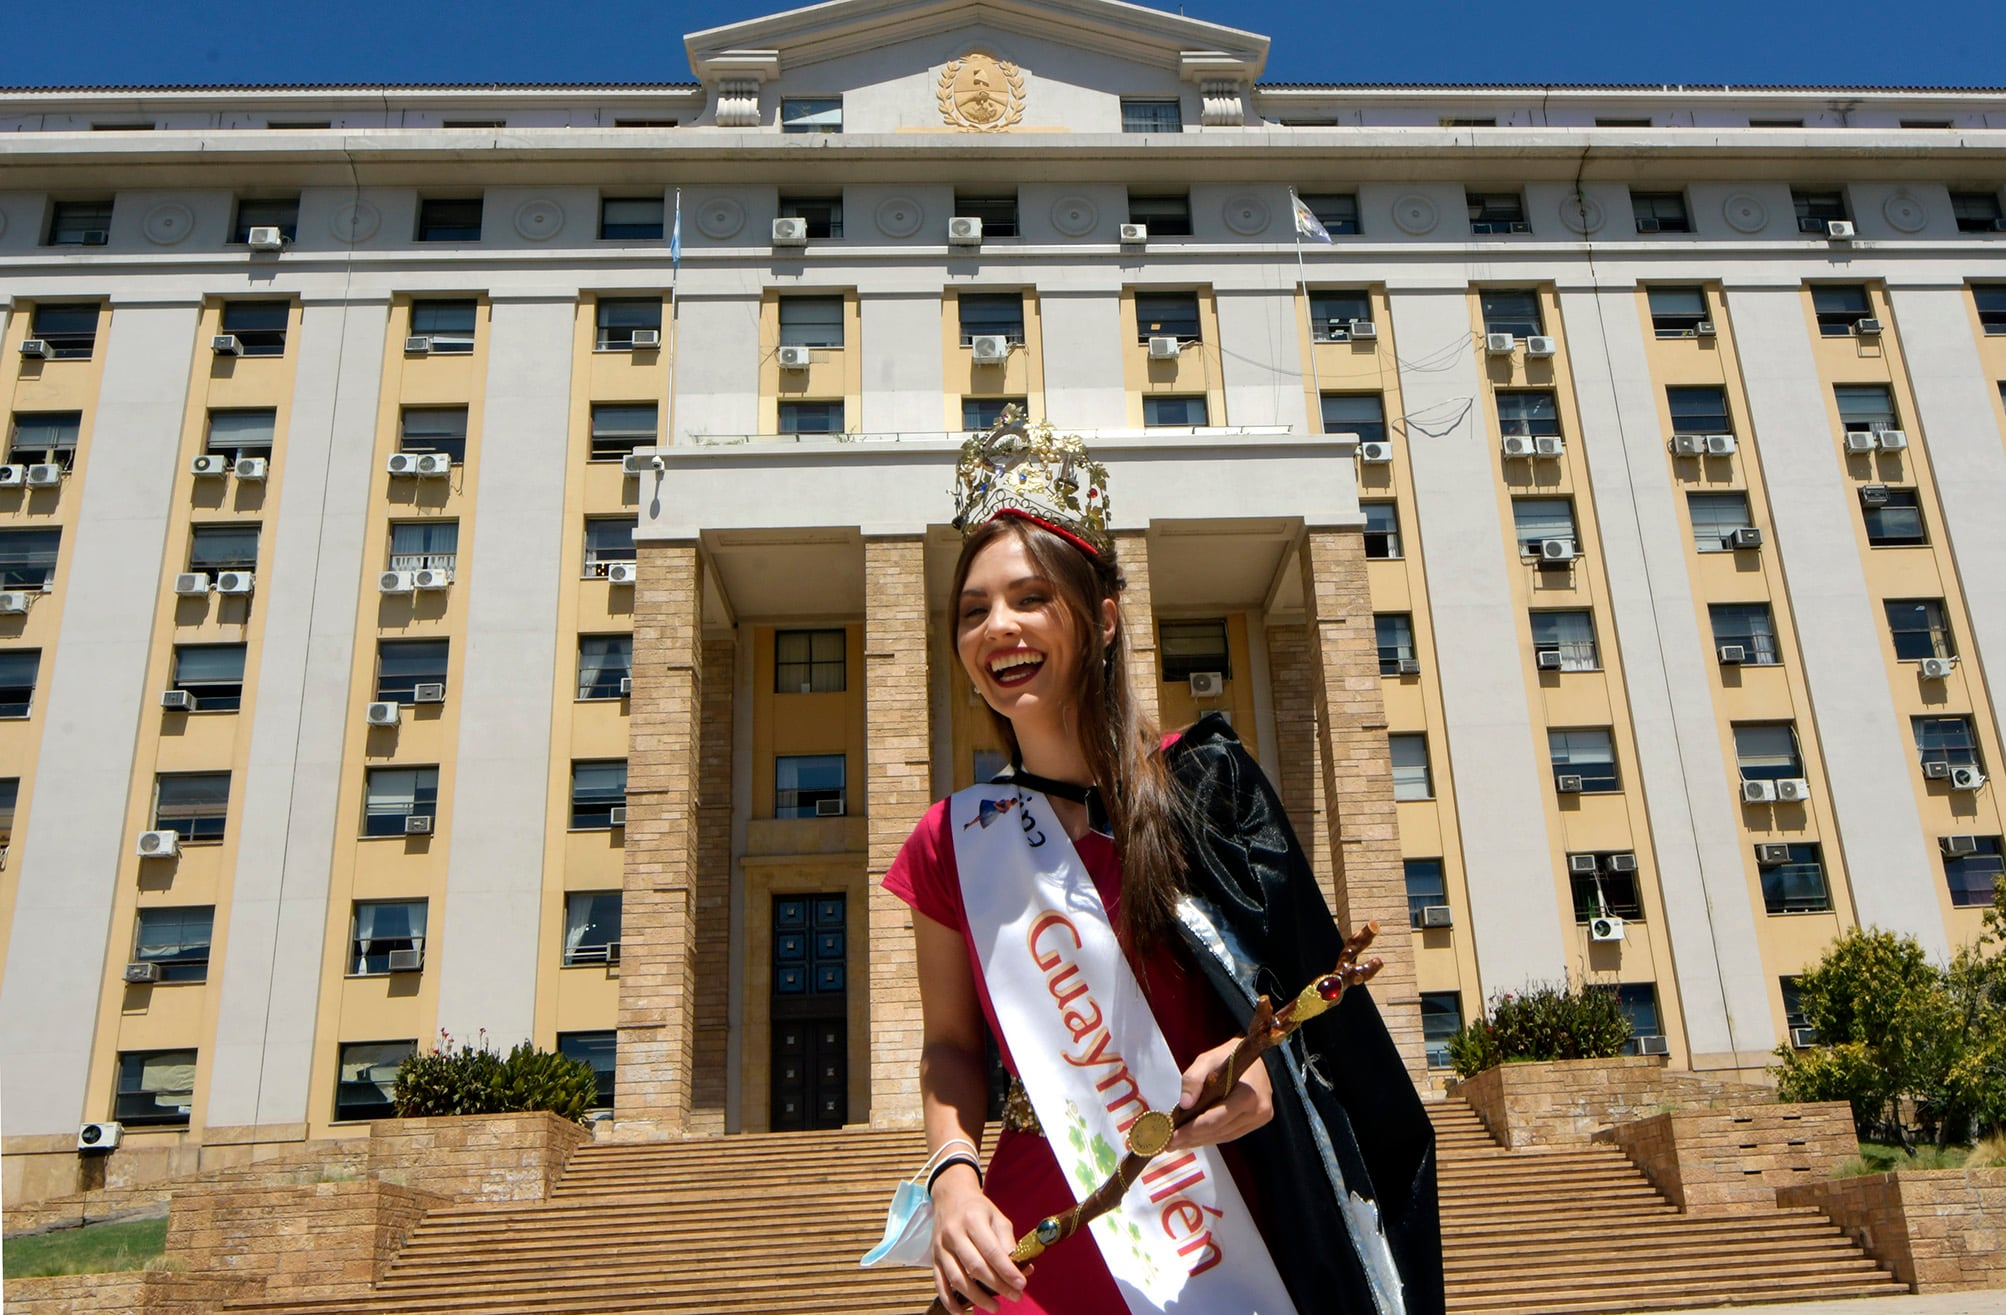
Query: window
point(434, 429)
point(1441, 1018)
point(620, 427)
point(811, 321)
point(1699, 409)
point(1796, 885)
point(449, 219)
point(1815, 209)
point(1331, 313)
point(449, 324)
point(1497, 212)
point(404, 664)
point(616, 319)
point(176, 941)
point(424, 545)
point(1865, 406)
point(212, 674)
point(392, 794)
point(1767, 751)
point(1411, 778)
point(20, 668)
point(1750, 626)
point(282, 213)
point(1974, 876)
point(1991, 299)
point(1187, 647)
point(1677, 312)
point(194, 804)
point(1425, 887)
point(1918, 628)
point(1139, 115)
point(1161, 412)
point(1167, 315)
point(69, 328)
point(1589, 754)
point(630, 218)
point(1839, 306)
point(28, 558)
point(1895, 520)
point(1382, 530)
point(45, 437)
point(1660, 212)
point(1604, 892)
point(997, 213)
point(474, 123)
point(1511, 310)
point(1167, 215)
point(981, 413)
point(1363, 414)
point(1569, 634)
point(1639, 1003)
point(819, 114)
point(80, 223)
point(259, 326)
point(600, 1050)
point(597, 788)
point(1976, 212)
point(608, 539)
point(231, 546)
point(235, 434)
point(591, 927)
point(1336, 211)
point(1622, 123)
point(808, 785)
point(298, 125)
point(809, 661)
point(1792, 991)
point(366, 1083)
point(156, 1088)
point(1535, 520)
point(1452, 122)
point(1715, 517)
point(10, 795)
point(823, 214)
point(1528, 413)
point(990, 313)
point(1946, 740)
point(1394, 632)
point(811, 417)
point(604, 663)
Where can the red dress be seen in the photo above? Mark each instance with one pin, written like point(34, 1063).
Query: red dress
point(1023, 1177)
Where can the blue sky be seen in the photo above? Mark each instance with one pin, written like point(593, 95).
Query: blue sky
point(1948, 42)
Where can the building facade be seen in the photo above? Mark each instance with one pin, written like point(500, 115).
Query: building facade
point(523, 630)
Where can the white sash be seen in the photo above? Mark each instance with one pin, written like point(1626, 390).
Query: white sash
point(1089, 1053)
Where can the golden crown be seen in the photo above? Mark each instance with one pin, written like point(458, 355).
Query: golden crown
point(1021, 469)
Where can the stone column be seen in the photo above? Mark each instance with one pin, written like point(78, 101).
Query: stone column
point(1300, 762)
point(713, 885)
point(1361, 825)
point(1138, 618)
point(898, 785)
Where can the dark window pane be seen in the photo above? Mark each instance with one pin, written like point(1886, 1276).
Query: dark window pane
point(1363, 414)
point(366, 1085)
point(808, 785)
point(1749, 627)
point(449, 219)
point(213, 674)
point(19, 671)
point(812, 114)
point(1441, 1018)
point(195, 804)
point(434, 429)
point(1382, 530)
point(1186, 647)
point(1660, 212)
point(1604, 892)
point(69, 328)
point(600, 1050)
point(1796, 885)
point(604, 661)
point(808, 661)
point(1701, 409)
point(231, 547)
point(631, 218)
point(1528, 413)
point(1676, 312)
point(597, 788)
point(1151, 116)
point(616, 318)
point(404, 664)
point(997, 213)
point(1896, 520)
point(811, 321)
point(282, 213)
point(620, 427)
point(1166, 216)
point(980, 413)
point(393, 794)
point(1426, 886)
point(1839, 306)
point(258, 326)
point(1331, 314)
point(1336, 211)
point(41, 437)
point(1160, 412)
point(156, 1088)
point(1589, 754)
point(449, 324)
point(80, 223)
point(1918, 628)
point(1974, 876)
point(1511, 310)
point(591, 927)
point(984, 313)
point(811, 417)
point(824, 215)
point(176, 941)
point(1946, 740)
point(1167, 314)
point(607, 539)
point(1767, 751)
point(1394, 634)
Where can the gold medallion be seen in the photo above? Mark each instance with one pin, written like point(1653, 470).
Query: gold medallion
point(980, 93)
point(1150, 1133)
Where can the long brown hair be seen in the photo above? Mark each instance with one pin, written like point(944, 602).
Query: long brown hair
point(1122, 745)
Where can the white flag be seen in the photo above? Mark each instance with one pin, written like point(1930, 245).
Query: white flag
point(1307, 224)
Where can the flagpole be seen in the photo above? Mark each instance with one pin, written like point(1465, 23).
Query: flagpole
point(1309, 321)
point(675, 270)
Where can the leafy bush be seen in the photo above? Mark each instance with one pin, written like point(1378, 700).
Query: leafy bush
point(535, 1079)
point(1544, 1021)
point(474, 1080)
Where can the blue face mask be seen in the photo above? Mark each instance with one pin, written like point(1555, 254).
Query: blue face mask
point(908, 1238)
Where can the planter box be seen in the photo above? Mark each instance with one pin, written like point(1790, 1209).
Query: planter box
point(1726, 1161)
point(1566, 1101)
point(475, 1157)
point(324, 1240)
point(1940, 1230)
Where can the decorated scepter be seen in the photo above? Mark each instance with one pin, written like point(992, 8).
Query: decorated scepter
point(1152, 1130)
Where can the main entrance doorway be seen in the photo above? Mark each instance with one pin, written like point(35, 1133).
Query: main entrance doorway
point(811, 1028)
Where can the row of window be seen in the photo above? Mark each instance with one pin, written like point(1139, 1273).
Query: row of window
point(1442, 1017)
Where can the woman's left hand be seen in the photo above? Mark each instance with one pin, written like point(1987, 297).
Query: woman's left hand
point(1249, 1105)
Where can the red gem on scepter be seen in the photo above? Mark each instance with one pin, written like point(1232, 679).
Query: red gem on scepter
point(1330, 988)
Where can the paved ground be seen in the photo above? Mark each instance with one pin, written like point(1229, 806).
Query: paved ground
point(1947, 1303)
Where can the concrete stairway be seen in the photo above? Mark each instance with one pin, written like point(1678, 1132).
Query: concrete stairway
point(774, 1225)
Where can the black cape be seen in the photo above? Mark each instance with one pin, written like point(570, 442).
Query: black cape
point(1348, 1122)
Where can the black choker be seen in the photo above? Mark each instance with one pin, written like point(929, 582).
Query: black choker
point(1045, 785)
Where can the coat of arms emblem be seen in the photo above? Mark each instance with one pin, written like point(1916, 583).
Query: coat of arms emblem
point(980, 93)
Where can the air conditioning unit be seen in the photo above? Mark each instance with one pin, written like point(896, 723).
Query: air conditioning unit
point(1966, 778)
point(790, 232)
point(1540, 345)
point(620, 573)
point(431, 577)
point(626, 687)
point(402, 463)
point(793, 358)
point(1337, 331)
point(429, 691)
point(1867, 328)
point(1376, 453)
point(1653, 1045)
point(395, 582)
point(1547, 659)
point(1839, 230)
point(1733, 655)
point(1518, 445)
point(189, 583)
point(209, 464)
point(1646, 225)
point(646, 339)
point(637, 463)
point(159, 844)
point(418, 344)
point(1873, 495)
point(1772, 855)
point(235, 582)
point(1207, 684)
point(1583, 865)
point(1688, 445)
point(831, 807)
point(1499, 344)
point(267, 239)
point(13, 477)
point(1793, 790)
point(250, 468)
point(35, 349)
point(99, 1136)
point(434, 465)
point(1567, 783)
point(417, 824)
point(1746, 537)
point(44, 475)
point(1720, 445)
point(1556, 550)
point(1363, 331)
point(177, 700)
point(226, 344)
point(1959, 846)
point(1163, 347)
point(407, 961)
point(1758, 792)
point(1551, 446)
point(1892, 440)
point(1410, 666)
point(964, 231)
point(1704, 329)
point(1936, 771)
point(990, 348)
point(14, 602)
point(140, 974)
point(1135, 232)
point(1936, 668)
point(1437, 915)
point(613, 952)
point(1803, 1038)
point(1605, 928)
point(1622, 863)
point(1861, 440)
point(382, 714)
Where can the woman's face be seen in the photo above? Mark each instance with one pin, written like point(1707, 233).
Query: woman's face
point(1015, 637)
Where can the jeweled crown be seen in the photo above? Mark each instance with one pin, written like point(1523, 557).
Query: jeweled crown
point(1033, 471)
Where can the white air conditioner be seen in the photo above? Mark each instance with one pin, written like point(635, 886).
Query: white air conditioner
point(402, 463)
point(1556, 550)
point(613, 953)
point(1720, 445)
point(1873, 495)
point(407, 961)
point(250, 468)
point(1936, 771)
point(1758, 792)
point(1803, 1038)
point(1363, 331)
point(1518, 445)
point(1867, 328)
point(1839, 230)
point(1622, 863)
point(13, 477)
point(1499, 344)
point(208, 464)
point(620, 573)
point(990, 348)
point(964, 231)
point(267, 239)
point(1704, 329)
point(429, 691)
point(235, 582)
point(1540, 345)
point(382, 714)
point(1746, 537)
point(1376, 453)
point(617, 815)
point(1163, 347)
point(418, 344)
point(790, 232)
point(1688, 445)
point(1646, 224)
point(159, 844)
point(44, 475)
point(1605, 928)
point(1861, 440)
point(1733, 655)
point(417, 824)
point(1772, 855)
point(1207, 684)
point(434, 465)
point(1936, 668)
point(177, 700)
point(1793, 790)
point(1892, 440)
point(1653, 1045)
point(395, 582)
point(1547, 659)
point(646, 339)
point(35, 349)
point(1135, 232)
point(190, 583)
point(14, 602)
point(1437, 915)
point(226, 344)
point(836, 807)
point(430, 578)
point(139, 974)
point(1966, 778)
point(626, 687)
point(639, 463)
point(1410, 666)
point(1583, 865)
point(1549, 446)
point(1959, 846)
point(1567, 783)
point(99, 1136)
point(793, 358)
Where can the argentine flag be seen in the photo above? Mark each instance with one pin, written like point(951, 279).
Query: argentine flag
point(676, 234)
point(1307, 224)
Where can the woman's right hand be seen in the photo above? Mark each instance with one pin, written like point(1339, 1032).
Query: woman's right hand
point(972, 1240)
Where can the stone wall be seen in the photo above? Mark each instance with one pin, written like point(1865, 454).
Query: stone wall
point(1560, 1102)
point(136, 1292)
point(1722, 1161)
point(304, 1242)
point(1939, 1231)
point(496, 1157)
point(129, 1188)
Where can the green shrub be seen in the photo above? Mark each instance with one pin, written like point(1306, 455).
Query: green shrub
point(474, 1080)
point(1544, 1021)
point(535, 1079)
